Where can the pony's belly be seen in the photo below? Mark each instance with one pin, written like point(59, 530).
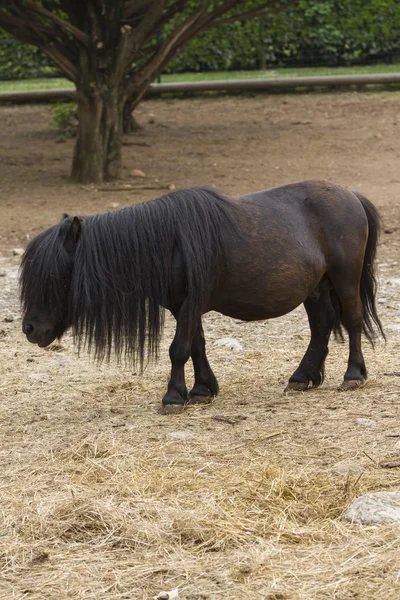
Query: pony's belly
point(245, 311)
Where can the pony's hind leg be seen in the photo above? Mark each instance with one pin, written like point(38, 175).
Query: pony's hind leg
point(205, 382)
point(352, 312)
point(321, 317)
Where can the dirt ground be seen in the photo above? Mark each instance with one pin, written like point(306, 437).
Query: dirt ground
point(104, 498)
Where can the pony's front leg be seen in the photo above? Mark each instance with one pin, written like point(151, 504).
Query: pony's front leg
point(179, 353)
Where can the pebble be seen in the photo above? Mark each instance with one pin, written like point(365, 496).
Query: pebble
point(3, 273)
point(117, 423)
point(167, 595)
point(364, 421)
point(230, 343)
point(137, 173)
point(9, 319)
point(18, 251)
point(61, 362)
point(347, 469)
point(373, 509)
point(151, 118)
point(39, 376)
point(180, 435)
point(113, 205)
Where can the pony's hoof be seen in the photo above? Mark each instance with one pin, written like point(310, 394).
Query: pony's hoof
point(199, 400)
point(351, 384)
point(296, 386)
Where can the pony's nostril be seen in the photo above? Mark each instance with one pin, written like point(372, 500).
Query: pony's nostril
point(28, 329)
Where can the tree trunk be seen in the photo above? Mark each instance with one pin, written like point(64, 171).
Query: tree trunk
point(130, 124)
point(97, 154)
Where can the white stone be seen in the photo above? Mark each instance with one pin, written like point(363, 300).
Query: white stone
point(364, 421)
point(347, 469)
point(180, 435)
point(18, 251)
point(167, 595)
point(229, 343)
point(372, 509)
point(137, 173)
point(39, 376)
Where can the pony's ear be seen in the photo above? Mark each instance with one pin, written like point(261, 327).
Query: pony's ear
point(72, 237)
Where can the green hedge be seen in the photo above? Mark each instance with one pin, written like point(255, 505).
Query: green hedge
point(327, 32)
point(20, 61)
point(311, 32)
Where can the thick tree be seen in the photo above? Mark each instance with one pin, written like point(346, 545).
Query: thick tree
point(112, 50)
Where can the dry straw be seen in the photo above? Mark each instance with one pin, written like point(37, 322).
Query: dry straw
point(99, 501)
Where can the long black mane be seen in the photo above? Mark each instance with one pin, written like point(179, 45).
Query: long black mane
point(120, 275)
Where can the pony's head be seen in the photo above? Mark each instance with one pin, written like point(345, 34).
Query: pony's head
point(45, 282)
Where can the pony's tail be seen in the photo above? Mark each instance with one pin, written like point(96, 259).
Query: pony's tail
point(371, 321)
point(368, 279)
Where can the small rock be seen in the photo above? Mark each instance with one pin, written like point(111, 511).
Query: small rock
point(372, 509)
point(389, 464)
point(151, 118)
point(61, 362)
point(382, 300)
point(364, 421)
point(39, 376)
point(171, 187)
point(18, 251)
point(388, 231)
point(137, 173)
point(230, 343)
point(9, 319)
point(113, 205)
point(3, 274)
point(347, 469)
point(167, 595)
point(117, 423)
point(180, 435)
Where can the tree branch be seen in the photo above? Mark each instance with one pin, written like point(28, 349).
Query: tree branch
point(137, 7)
point(23, 36)
point(167, 49)
point(79, 35)
point(62, 62)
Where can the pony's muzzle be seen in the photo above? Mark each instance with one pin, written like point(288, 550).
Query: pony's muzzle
point(35, 336)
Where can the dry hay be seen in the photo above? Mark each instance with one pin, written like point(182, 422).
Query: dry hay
point(99, 500)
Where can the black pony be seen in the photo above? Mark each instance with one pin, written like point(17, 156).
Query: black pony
point(253, 257)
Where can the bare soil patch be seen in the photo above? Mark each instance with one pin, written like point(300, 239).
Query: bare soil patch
point(101, 496)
